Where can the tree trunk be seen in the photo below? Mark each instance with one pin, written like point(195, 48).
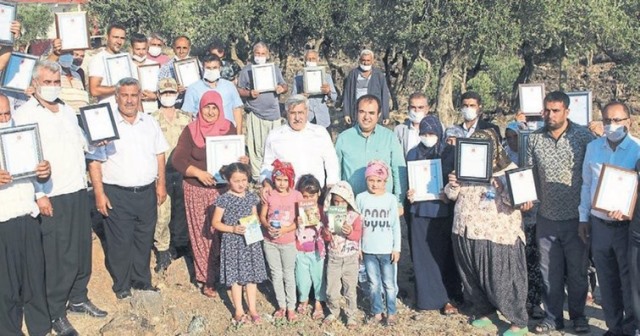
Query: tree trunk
point(444, 100)
point(233, 52)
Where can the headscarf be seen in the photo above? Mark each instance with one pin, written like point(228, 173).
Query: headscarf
point(342, 189)
point(377, 168)
point(431, 124)
point(500, 158)
point(200, 128)
point(283, 168)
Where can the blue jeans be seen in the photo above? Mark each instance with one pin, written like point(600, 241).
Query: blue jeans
point(380, 272)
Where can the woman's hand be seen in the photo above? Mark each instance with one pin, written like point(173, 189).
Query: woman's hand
point(453, 181)
point(410, 195)
point(205, 178)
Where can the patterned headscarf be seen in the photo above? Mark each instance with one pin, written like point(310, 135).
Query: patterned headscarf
point(377, 168)
point(200, 128)
point(283, 169)
point(500, 158)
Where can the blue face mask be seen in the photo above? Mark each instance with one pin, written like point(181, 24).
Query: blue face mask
point(74, 67)
point(66, 61)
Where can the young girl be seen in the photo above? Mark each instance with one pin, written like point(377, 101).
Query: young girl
point(344, 248)
point(380, 240)
point(310, 257)
point(240, 264)
point(277, 217)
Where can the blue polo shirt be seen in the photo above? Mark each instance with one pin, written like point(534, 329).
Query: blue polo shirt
point(226, 89)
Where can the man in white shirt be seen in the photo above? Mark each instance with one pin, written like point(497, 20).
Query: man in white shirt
point(62, 200)
point(608, 232)
point(308, 147)
point(128, 177)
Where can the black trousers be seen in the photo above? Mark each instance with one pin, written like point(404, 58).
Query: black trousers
point(22, 287)
point(66, 241)
point(178, 224)
point(129, 233)
point(634, 270)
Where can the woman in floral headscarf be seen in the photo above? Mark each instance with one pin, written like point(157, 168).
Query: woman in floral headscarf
point(488, 243)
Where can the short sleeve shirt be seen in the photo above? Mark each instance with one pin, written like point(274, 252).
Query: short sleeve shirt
point(266, 106)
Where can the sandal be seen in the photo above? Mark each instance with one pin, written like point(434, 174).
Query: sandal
point(239, 320)
point(279, 314)
point(449, 309)
point(256, 319)
point(391, 320)
point(302, 308)
point(373, 319)
point(545, 327)
point(483, 322)
point(318, 314)
point(209, 291)
point(291, 315)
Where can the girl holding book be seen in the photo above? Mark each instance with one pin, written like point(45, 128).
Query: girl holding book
point(343, 235)
point(311, 249)
point(380, 241)
point(240, 264)
point(278, 220)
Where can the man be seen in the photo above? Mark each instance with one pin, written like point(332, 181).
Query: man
point(229, 70)
point(128, 177)
point(156, 44)
point(263, 108)
point(365, 79)
point(78, 59)
point(22, 284)
point(181, 51)
point(408, 132)
point(318, 109)
point(99, 84)
point(308, 147)
point(72, 91)
point(62, 200)
point(472, 114)
point(139, 50)
point(212, 80)
point(556, 151)
point(16, 99)
point(608, 232)
point(171, 236)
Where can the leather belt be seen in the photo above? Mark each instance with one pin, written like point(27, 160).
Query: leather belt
point(133, 189)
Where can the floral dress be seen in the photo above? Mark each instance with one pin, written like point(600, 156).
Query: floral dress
point(239, 263)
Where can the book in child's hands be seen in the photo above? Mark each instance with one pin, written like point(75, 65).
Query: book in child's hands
point(309, 214)
point(336, 217)
point(253, 231)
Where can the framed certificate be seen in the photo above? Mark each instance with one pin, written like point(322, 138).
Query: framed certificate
point(21, 150)
point(425, 177)
point(522, 186)
point(531, 98)
point(617, 190)
point(264, 77)
point(8, 14)
point(580, 107)
point(17, 75)
point(98, 122)
point(72, 30)
point(148, 76)
point(221, 151)
point(523, 144)
point(187, 71)
point(118, 67)
point(312, 80)
point(474, 160)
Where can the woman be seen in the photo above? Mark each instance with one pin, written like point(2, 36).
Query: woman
point(200, 187)
point(437, 280)
point(488, 244)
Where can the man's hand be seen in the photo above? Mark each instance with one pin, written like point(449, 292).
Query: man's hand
point(103, 204)
point(16, 29)
point(497, 183)
point(347, 120)
point(265, 192)
point(453, 180)
point(280, 89)
point(526, 206)
point(205, 178)
point(584, 230)
point(5, 177)
point(161, 193)
point(181, 89)
point(148, 95)
point(596, 127)
point(400, 210)
point(56, 47)
point(395, 257)
point(521, 117)
point(244, 159)
point(255, 94)
point(325, 89)
point(386, 121)
point(617, 215)
point(44, 204)
point(410, 194)
point(43, 170)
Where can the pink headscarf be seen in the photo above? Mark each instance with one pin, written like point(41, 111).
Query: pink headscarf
point(377, 168)
point(200, 128)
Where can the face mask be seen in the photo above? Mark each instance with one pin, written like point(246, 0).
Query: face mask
point(168, 100)
point(469, 113)
point(74, 68)
point(139, 59)
point(211, 75)
point(77, 61)
point(429, 140)
point(365, 67)
point(416, 116)
point(311, 64)
point(260, 59)
point(65, 61)
point(49, 93)
point(614, 133)
point(6, 124)
point(155, 51)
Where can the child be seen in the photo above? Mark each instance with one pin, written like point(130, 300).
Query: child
point(380, 240)
point(310, 257)
point(344, 247)
point(277, 217)
point(240, 264)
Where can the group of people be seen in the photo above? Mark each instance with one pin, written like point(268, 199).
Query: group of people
point(151, 191)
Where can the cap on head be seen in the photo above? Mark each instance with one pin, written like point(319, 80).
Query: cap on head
point(167, 85)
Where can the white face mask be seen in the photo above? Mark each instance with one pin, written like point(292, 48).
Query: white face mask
point(168, 100)
point(260, 59)
point(365, 67)
point(415, 116)
point(469, 113)
point(211, 75)
point(6, 124)
point(139, 59)
point(311, 64)
point(429, 140)
point(49, 93)
point(155, 51)
point(615, 133)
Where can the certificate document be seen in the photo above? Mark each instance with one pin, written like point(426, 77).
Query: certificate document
point(7, 16)
point(118, 67)
point(531, 98)
point(221, 151)
point(474, 160)
point(616, 190)
point(313, 78)
point(148, 76)
point(522, 186)
point(99, 123)
point(264, 77)
point(17, 75)
point(580, 107)
point(425, 177)
point(72, 30)
point(21, 150)
point(253, 230)
point(187, 71)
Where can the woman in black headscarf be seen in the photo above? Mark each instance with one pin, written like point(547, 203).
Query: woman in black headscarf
point(437, 280)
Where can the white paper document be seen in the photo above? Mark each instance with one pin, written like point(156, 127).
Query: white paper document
point(425, 177)
point(523, 186)
point(99, 123)
point(20, 152)
point(473, 160)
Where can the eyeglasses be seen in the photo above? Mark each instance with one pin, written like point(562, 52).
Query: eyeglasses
point(615, 120)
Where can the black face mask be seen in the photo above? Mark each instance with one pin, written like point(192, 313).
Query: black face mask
point(77, 61)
